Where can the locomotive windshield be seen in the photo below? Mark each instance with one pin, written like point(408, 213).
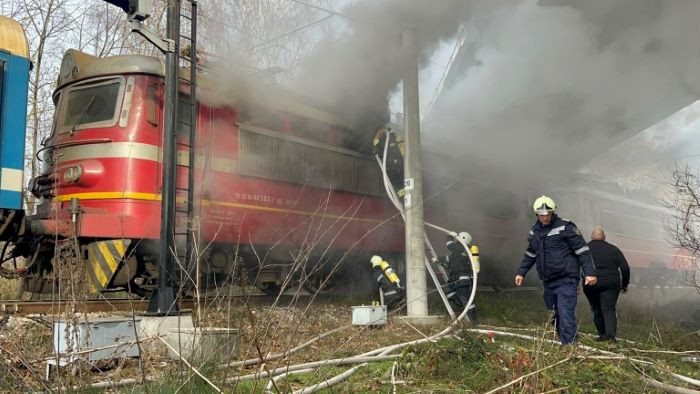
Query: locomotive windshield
point(90, 105)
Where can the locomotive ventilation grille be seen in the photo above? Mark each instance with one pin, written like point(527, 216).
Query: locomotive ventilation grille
point(273, 155)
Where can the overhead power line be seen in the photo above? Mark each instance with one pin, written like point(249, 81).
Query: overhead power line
point(256, 46)
point(336, 13)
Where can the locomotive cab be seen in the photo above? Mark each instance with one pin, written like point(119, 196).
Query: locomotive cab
point(106, 129)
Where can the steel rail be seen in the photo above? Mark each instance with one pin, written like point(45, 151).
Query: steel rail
point(56, 307)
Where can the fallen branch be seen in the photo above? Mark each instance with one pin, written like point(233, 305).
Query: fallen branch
point(556, 390)
point(330, 382)
point(665, 351)
point(315, 364)
point(531, 338)
point(190, 366)
point(279, 377)
point(667, 387)
point(277, 356)
point(512, 382)
point(28, 367)
point(686, 379)
point(120, 383)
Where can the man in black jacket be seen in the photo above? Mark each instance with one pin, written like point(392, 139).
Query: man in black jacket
point(610, 264)
point(559, 252)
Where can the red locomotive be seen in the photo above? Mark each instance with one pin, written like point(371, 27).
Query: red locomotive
point(276, 183)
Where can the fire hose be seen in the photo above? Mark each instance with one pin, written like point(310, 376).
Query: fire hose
point(394, 198)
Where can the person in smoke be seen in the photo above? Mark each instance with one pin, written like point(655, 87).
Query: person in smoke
point(558, 250)
point(657, 275)
point(460, 274)
point(611, 267)
point(387, 281)
point(394, 157)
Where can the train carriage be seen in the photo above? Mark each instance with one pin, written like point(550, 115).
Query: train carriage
point(14, 78)
point(269, 189)
point(633, 223)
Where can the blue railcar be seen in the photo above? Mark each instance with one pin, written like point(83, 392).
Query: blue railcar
point(14, 79)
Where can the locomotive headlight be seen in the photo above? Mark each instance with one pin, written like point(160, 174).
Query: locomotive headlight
point(72, 174)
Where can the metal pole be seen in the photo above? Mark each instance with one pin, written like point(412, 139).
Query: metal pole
point(163, 300)
point(416, 292)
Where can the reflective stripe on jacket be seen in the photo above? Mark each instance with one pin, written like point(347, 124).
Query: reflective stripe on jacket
point(557, 251)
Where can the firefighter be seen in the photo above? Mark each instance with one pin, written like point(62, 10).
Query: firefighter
point(387, 281)
point(394, 157)
point(559, 252)
point(460, 274)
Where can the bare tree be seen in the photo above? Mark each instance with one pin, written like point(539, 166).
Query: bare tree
point(683, 200)
point(270, 37)
point(103, 30)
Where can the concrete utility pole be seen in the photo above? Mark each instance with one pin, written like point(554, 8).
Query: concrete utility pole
point(416, 294)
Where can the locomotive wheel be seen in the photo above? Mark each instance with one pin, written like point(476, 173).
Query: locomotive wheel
point(313, 284)
point(269, 288)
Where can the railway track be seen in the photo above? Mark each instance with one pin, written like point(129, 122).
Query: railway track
point(57, 307)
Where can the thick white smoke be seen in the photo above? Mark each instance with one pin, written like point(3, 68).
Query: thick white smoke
point(554, 84)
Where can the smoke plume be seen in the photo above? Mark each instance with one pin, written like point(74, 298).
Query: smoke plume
point(549, 85)
point(356, 74)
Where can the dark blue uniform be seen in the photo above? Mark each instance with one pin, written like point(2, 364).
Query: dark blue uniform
point(559, 253)
point(393, 292)
point(459, 271)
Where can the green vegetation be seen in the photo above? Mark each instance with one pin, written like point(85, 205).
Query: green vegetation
point(470, 362)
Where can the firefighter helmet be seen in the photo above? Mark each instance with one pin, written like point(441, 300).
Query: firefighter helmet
point(375, 260)
point(465, 237)
point(544, 205)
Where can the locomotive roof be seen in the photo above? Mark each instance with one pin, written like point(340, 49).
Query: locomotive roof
point(77, 66)
point(12, 38)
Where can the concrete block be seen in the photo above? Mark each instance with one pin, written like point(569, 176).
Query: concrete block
point(203, 344)
point(152, 326)
point(421, 320)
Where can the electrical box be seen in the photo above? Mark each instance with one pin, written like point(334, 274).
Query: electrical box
point(115, 337)
point(369, 315)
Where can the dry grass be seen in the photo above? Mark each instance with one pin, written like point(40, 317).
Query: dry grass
point(9, 288)
point(265, 329)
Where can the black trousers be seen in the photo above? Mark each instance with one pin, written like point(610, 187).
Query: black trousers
point(458, 293)
point(393, 301)
point(603, 297)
